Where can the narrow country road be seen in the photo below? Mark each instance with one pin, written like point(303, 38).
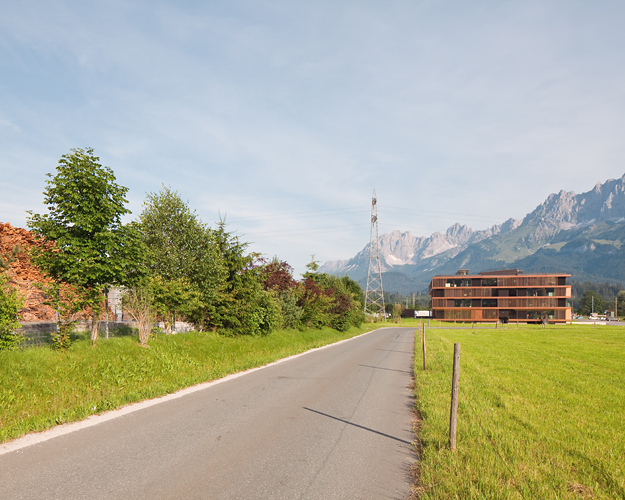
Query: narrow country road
point(334, 423)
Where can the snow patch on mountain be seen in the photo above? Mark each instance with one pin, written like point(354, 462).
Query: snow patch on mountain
point(560, 211)
point(404, 248)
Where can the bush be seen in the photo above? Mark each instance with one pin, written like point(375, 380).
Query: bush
point(10, 304)
point(138, 301)
point(291, 312)
point(269, 312)
point(331, 301)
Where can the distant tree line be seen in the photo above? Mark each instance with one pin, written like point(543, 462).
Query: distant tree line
point(171, 265)
point(418, 301)
point(598, 297)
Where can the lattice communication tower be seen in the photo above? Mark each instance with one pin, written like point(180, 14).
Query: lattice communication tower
point(374, 296)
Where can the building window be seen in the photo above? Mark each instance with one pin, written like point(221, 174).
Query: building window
point(457, 314)
point(458, 282)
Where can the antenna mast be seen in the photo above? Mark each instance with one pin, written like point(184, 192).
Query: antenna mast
point(374, 296)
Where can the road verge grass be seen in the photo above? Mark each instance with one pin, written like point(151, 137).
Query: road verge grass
point(541, 413)
point(42, 387)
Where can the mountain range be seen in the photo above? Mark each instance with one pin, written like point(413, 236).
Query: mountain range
point(580, 234)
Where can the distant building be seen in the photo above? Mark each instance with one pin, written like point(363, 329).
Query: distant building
point(506, 296)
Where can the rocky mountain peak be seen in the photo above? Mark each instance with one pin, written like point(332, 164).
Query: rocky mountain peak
point(566, 209)
point(459, 231)
point(563, 210)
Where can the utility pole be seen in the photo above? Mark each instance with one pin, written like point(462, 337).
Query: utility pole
point(374, 295)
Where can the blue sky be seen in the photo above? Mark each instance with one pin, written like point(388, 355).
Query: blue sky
point(285, 115)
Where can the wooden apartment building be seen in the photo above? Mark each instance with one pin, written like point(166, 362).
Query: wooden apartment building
point(506, 296)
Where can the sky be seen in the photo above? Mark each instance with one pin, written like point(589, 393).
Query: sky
point(284, 116)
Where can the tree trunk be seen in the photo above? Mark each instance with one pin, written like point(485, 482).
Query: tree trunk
point(95, 324)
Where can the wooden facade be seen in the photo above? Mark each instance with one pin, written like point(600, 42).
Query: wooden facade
point(506, 296)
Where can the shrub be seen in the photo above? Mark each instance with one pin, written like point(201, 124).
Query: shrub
point(139, 303)
point(10, 304)
point(291, 312)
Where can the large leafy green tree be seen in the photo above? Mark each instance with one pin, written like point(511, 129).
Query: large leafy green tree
point(92, 248)
point(181, 249)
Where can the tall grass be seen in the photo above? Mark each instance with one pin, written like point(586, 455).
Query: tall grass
point(40, 387)
point(541, 413)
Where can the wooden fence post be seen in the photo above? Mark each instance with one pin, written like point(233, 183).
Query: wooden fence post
point(453, 418)
point(425, 367)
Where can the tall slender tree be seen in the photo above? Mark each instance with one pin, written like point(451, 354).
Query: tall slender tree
point(181, 249)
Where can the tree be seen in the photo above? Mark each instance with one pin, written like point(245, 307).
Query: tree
point(347, 306)
point(179, 246)
point(10, 304)
point(173, 299)
point(315, 302)
point(313, 265)
point(330, 301)
point(353, 287)
point(592, 301)
point(620, 303)
point(398, 309)
point(291, 311)
point(276, 275)
point(92, 248)
point(242, 307)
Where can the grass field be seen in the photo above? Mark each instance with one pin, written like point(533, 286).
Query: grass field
point(541, 413)
point(41, 387)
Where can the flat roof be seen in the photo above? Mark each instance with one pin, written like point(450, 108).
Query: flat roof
point(491, 274)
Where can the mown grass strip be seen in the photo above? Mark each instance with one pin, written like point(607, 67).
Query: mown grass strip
point(42, 387)
point(541, 413)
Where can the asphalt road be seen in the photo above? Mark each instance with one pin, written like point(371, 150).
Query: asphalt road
point(334, 423)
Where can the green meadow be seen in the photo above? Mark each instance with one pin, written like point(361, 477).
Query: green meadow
point(541, 413)
point(42, 387)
